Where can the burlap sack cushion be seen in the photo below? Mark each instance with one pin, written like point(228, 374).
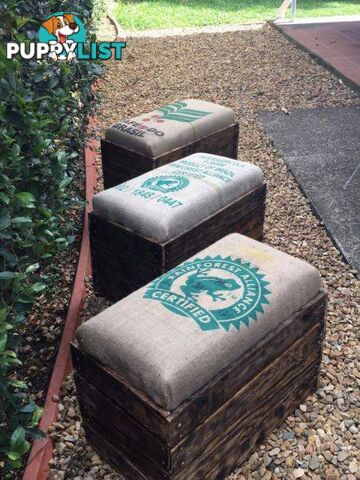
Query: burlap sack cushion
point(169, 349)
point(172, 199)
point(170, 127)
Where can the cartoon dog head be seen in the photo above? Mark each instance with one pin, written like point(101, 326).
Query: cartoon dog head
point(61, 26)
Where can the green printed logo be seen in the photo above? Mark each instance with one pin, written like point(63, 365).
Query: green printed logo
point(214, 291)
point(178, 112)
point(166, 183)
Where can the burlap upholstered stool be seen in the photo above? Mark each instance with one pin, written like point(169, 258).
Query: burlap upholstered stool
point(185, 377)
point(133, 147)
point(144, 227)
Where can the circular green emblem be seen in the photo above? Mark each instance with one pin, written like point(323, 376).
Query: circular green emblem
point(214, 291)
point(166, 183)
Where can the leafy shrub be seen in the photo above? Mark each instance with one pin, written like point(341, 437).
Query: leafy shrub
point(43, 110)
point(100, 8)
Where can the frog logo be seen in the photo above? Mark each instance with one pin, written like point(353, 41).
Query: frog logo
point(215, 292)
point(166, 183)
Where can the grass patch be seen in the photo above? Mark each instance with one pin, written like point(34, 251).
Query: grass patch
point(157, 14)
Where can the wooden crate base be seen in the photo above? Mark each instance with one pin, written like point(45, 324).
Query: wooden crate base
point(219, 463)
point(142, 441)
point(124, 261)
point(120, 164)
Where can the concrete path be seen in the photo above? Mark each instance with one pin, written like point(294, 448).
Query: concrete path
point(322, 149)
point(335, 44)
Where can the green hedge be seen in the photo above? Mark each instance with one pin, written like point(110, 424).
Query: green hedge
point(43, 111)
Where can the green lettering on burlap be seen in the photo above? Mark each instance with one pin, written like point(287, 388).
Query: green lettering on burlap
point(213, 291)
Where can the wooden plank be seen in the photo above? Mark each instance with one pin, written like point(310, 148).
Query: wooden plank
point(112, 457)
point(124, 261)
point(120, 444)
point(224, 142)
point(122, 160)
point(129, 262)
point(118, 241)
point(218, 462)
point(98, 409)
point(121, 238)
point(173, 427)
point(125, 266)
point(121, 164)
point(118, 161)
point(134, 402)
point(253, 229)
point(126, 273)
point(236, 217)
point(253, 412)
point(252, 226)
point(117, 273)
point(236, 410)
point(204, 402)
point(115, 288)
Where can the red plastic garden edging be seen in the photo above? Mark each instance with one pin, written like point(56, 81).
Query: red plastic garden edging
point(37, 467)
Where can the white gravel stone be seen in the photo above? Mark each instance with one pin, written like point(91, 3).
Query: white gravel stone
point(353, 466)
point(298, 473)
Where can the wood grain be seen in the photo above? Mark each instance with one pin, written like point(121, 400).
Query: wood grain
point(173, 427)
point(134, 402)
point(235, 412)
point(120, 164)
point(124, 261)
point(122, 446)
point(93, 403)
point(230, 434)
point(234, 217)
point(219, 460)
point(106, 451)
point(201, 405)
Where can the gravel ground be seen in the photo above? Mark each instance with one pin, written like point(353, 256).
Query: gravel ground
point(250, 72)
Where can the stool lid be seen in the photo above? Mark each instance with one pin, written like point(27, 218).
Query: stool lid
point(176, 334)
point(172, 199)
point(170, 127)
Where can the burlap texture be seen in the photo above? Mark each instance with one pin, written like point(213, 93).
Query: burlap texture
point(170, 127)
point(159, 338)
point(173, 199)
